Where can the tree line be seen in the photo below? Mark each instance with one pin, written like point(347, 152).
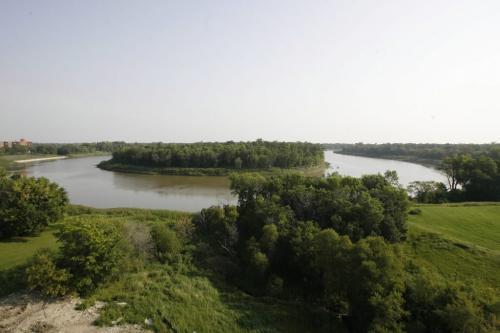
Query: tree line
point(430, 152)
point(232, 155)
point(63, 148)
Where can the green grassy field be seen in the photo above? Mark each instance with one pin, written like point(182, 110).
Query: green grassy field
point(459, 241)
point(473, 224)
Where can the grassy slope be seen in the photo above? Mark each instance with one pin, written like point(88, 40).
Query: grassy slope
point(460, 241)
point(471, 224)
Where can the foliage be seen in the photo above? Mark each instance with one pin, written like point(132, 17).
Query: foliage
point(473, 178)
point(437, 305)
point(63, 148)
point(229, 155)
point(428, 191)
point(28, 205)
point(43, 275)
point(166, 244)
point(92, 250)
point(219, 226)
point(355, 207)
point(309, 275)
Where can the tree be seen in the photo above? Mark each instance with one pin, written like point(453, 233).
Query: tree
point(28, 205)
point(92, 251)
point(454, 168)
point(376, 287)
point(218, 225)
point(428, 191)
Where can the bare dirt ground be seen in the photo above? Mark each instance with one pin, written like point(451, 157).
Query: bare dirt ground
point(28, 313)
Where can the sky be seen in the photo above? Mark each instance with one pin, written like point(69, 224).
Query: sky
point(185, 71)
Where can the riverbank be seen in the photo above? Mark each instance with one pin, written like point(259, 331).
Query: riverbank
point(31, 160)
point(127, 168)
point(9, 161)
point(15, 162)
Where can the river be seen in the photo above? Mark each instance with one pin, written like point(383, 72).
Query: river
point(90, 186)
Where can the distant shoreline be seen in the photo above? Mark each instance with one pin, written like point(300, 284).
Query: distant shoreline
point(110, 166)
point(430, 163)
point(41, 159)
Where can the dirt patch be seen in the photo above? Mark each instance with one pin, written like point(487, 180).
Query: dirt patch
point(28, 313)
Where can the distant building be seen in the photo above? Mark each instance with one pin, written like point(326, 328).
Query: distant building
point(10, 144)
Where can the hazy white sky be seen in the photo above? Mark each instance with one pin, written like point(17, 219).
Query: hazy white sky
point(321, 71)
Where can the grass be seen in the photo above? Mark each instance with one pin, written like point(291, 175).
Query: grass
point(17, 251)
point(460, 241)
point(7, 161)
point(188, 301)
point(473, 224)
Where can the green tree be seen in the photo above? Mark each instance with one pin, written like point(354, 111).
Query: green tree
point(218, 226)
point(28, 205)
point(376, 287)
point(92, 250)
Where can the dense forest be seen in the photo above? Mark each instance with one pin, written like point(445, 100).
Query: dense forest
point(231, 155)
point(430, 153)
point(63, 148)
point(333, 243)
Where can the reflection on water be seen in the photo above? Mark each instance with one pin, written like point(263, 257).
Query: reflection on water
point(88, 185)
point(357, 166)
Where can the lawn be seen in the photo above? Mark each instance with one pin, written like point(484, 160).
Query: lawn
point(17, 251)
point(473, 224)
point(462, 242)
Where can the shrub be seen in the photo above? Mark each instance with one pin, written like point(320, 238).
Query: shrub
point(415, 211)
point(92, 250)
point(43, 275)
point(167, 245)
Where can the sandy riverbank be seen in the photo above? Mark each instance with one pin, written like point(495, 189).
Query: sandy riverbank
point(41, 159)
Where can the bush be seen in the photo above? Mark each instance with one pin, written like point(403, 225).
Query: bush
point(43, 275)
point(167, 245)
point(92, 250)
point(28, 205)
point(415, 211)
